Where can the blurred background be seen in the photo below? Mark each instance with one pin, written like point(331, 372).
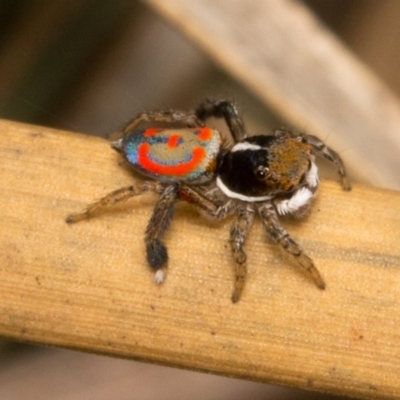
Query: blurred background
point(89, 66)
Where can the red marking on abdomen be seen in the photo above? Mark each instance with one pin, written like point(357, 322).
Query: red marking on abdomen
point(205, 133)
point(173, 140)
point(151, 131)
point(182, 169)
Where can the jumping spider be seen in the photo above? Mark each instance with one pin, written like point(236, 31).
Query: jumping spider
point(272, 175)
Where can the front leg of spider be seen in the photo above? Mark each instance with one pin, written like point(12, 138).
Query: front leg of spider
point(321, 149)
point(238, 233)
point(275, 230)
point(215, 210)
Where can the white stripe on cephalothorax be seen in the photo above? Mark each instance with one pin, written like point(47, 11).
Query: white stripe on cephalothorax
point(245, 146)
point(234, 195)
point(299, 199)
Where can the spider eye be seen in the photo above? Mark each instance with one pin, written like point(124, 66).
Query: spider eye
point(261, 172)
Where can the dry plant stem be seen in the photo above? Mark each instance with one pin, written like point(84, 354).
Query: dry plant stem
point(87, 286)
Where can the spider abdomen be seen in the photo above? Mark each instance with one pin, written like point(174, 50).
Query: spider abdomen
point(186, 155)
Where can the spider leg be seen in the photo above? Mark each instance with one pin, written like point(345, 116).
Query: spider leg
point(169, 116)
point(279, 235)
point(113, 198)
point(238, 234)
point(157, 255)
point(238, 230)
point(321, 149)
point(223, 109)
point(207, 205)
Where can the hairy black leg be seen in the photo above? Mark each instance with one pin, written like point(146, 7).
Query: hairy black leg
point(223, 109)
point(279, 235)
point(117, 196)
point(157, 255)
point(238, 234)
point(168, 116)
point(321, 149)
point(218, 211)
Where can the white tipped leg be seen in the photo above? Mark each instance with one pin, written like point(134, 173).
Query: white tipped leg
point(159, 276)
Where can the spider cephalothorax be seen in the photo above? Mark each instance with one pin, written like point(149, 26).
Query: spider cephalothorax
point(269, 174)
